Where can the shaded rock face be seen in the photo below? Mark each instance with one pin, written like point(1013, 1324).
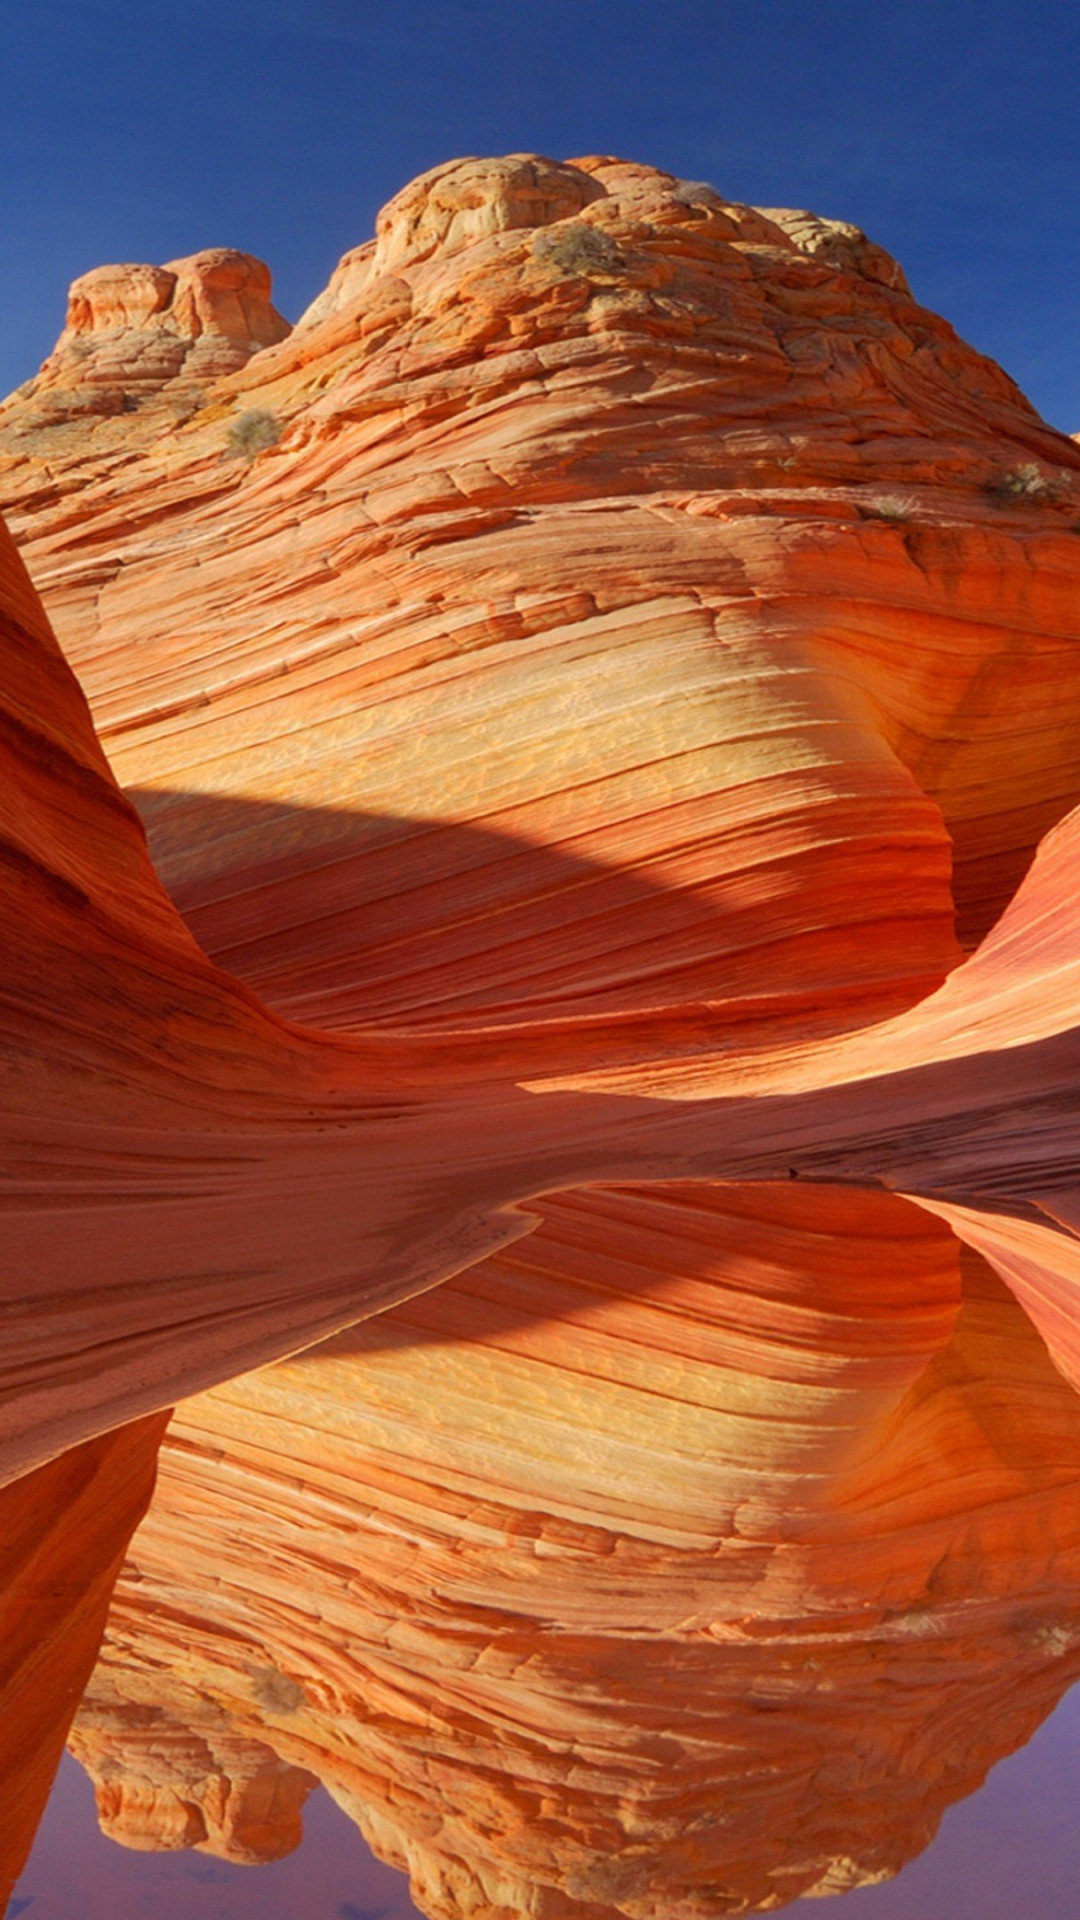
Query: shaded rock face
point(592, 1594)
point(583, 677)
point(63, 1533)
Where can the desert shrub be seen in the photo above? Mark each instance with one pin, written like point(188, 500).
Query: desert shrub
point(691, 193)
point(276, 1692)
point(889, 506)
point(1026, 482)
point(251, 433)
point(577, 248)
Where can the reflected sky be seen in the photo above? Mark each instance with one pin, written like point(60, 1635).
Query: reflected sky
point(1011, 1852)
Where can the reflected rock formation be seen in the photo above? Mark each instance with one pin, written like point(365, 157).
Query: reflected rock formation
point(586, 688)
point(591, 1592)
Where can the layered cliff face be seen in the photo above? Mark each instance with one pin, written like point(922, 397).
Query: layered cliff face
point(592, 1595)
point(561, 671)
point(562, 676)
point(157, 1122)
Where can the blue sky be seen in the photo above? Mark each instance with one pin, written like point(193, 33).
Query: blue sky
point(143, 129)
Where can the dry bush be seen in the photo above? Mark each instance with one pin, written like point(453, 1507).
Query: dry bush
point(251, 433)
point(577, 248)
point(897, 507)
point(1027, 482)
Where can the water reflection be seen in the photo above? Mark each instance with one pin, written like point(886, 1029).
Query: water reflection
point(688, 1557)
point(73, 1871)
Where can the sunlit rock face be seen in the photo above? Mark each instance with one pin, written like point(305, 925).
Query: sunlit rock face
point(640, 599)
point(591, 1595)
point(652, 531)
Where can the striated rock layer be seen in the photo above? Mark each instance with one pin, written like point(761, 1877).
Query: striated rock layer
point(161, 1788)
point(606, 517)
point(474, 724)
point(733, 850)
point(580, 670)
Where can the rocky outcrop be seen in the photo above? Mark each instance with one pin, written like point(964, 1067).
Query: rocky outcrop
point(174, 1787)
point(650, 460)
point(139, 333)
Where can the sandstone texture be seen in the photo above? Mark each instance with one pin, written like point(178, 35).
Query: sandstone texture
point(169, 1788)
point(587, 689)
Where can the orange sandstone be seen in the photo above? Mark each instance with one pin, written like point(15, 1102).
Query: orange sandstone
point(194, 1187)
point(138, 333)
point(651, 459)
point(163, 1787)
point(616, 755)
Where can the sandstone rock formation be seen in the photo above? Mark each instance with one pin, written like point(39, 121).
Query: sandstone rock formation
point(172, 1787)
point(150, 1107)
point(138, 333)
point(580, 670)
point(652, 461)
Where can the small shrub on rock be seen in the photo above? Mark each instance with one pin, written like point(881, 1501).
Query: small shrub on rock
point(251, 433)
point(1027, 482)
point(695, 193)
point(276, 1692)
point(577, 248)
point(896, 507)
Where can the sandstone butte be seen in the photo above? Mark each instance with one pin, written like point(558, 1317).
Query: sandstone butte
point(587, 687)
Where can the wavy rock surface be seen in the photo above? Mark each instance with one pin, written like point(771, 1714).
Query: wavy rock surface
point(63, 1533)
point(367, 775)
point(564, 442)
